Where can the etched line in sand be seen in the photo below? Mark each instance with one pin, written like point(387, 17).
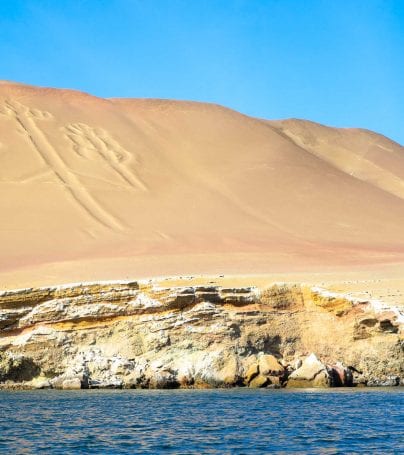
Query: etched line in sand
point(30, 177)
point(89, 142)
point(25, 118)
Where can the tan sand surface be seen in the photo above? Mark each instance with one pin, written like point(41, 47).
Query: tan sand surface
point(95, 189)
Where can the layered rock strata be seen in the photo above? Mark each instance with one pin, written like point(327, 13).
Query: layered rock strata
point(142, 334)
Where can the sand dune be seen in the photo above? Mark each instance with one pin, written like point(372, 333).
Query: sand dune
point(96, 188)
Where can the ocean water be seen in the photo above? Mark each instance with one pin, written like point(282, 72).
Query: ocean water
point(234, 421)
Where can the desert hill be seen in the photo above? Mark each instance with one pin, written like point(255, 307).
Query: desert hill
point(95, 188)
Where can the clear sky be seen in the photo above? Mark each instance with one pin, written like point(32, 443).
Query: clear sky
point(338, 62)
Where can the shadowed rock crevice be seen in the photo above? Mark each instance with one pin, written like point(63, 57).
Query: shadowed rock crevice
point(17, 368)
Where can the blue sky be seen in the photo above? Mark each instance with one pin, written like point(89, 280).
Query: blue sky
point(333, 61)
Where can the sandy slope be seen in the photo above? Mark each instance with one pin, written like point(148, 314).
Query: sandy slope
point(97, 189)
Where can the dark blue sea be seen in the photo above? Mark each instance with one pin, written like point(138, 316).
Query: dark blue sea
point(235, 421)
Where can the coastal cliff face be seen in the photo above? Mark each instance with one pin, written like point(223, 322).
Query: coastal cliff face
point(143, 334)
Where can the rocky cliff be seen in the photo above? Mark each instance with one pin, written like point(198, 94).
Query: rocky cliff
point(145, 334)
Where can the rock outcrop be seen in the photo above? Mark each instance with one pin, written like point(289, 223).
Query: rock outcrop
point(313, 373)
point(140, 334)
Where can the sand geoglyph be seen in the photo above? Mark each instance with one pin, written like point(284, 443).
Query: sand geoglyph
point(95, 188)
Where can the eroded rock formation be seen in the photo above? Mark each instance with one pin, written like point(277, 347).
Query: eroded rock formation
point(141, 334)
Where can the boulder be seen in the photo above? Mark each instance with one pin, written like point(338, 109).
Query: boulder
point(259, 381)
point(69, 381)
point(269, 366)
point(71, 384)
point(57, 382)
point(216, 369)
point(312, 373)
point(228, 374)
point(251, 373)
